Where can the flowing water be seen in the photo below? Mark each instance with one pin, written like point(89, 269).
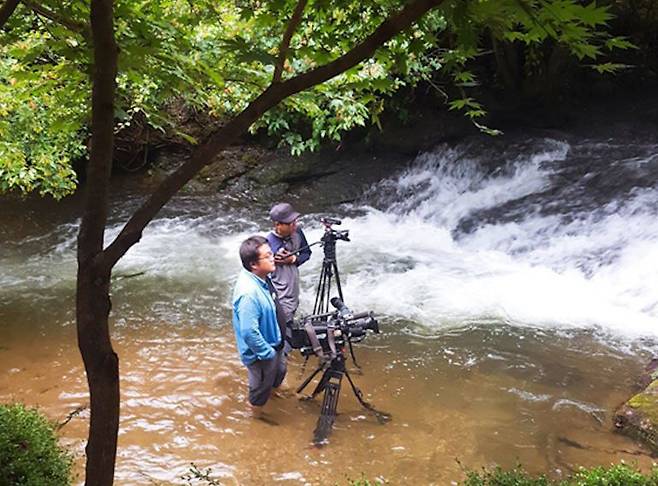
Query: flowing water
point(516, 283)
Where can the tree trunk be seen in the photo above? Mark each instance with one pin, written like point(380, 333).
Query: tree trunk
point(102, 368)
point(93, 284)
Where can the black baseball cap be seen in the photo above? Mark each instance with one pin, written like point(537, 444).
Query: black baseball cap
point(283, 213)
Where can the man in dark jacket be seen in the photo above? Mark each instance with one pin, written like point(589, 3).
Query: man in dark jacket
point(285, 239)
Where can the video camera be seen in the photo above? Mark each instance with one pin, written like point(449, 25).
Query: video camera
point(330, 234)
point(314, 334)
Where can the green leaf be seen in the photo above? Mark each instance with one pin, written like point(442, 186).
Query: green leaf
point(187, 137)
point(609, 67)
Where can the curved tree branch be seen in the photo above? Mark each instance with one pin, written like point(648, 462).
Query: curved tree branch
point(285, 41)
point(78, 27)
point(203, 155)
point(6, 10)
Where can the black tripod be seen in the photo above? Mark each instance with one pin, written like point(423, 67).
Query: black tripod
point(329, 269)
point(334, 370)
point(333, 364)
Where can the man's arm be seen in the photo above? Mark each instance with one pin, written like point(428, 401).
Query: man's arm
point(248, 315)
point(305, 254)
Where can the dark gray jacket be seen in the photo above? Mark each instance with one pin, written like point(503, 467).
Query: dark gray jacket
point(286, 277)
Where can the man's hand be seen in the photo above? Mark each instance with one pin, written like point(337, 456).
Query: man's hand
point(284, 257)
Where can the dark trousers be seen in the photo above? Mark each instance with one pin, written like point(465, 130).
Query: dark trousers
point(264, 375)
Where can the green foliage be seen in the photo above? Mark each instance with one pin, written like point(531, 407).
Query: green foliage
point(609, 67)
point(501, 477)
point(29, 453)
point(615, 475)
point(536, 24)
point(42, 117)
point(216, 57)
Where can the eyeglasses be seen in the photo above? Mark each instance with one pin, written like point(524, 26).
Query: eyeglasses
point(267, 256)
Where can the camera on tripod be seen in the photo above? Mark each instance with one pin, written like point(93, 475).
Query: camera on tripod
point(331, 234)
point(342, 325)
point(325, 334)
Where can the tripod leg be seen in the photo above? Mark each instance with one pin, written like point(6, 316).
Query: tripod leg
point(340, 289)
point(327, 295)
point(382, 417)
point(322, 384)
point(319, 293)
point(354, 357)
point(308, 380)
point(329, 404)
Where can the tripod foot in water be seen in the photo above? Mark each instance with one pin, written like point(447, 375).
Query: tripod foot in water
point(382, 417)
point(327, 414)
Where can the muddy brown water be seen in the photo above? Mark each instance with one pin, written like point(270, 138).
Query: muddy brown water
point(463, 395)
point(464, 398)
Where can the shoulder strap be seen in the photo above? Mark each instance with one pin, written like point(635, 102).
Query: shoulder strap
point(280, 315)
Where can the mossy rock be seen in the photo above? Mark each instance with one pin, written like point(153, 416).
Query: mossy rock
point(285, 170)
point(638, 417)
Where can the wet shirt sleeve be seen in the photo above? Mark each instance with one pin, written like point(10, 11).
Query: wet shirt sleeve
point(249, 314)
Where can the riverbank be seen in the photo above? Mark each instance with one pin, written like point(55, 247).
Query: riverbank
point(256, 170)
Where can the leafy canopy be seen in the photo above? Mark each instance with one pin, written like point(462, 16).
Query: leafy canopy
point(215, 57)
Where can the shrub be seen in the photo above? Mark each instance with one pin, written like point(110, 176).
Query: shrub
point(500, 477)
point(29, 452)
point(615, 475)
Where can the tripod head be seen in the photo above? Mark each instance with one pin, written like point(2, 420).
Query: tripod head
point(328, 240)
point(331, 236)
point(329, 243)
point(329, 270)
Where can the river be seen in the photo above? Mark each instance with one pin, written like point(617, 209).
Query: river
point(515, 280)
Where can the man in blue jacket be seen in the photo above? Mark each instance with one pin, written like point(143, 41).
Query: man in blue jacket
point(257, 331)
point(285, 239)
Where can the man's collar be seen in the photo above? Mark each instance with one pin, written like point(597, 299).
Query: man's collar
point(258, 279)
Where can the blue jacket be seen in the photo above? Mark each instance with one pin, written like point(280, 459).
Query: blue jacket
point(254, 319)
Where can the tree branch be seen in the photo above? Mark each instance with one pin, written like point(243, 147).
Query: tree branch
point(285, 41)
point(6, 10)
point(203, 155)
point(78, 27)
point(386, 31)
